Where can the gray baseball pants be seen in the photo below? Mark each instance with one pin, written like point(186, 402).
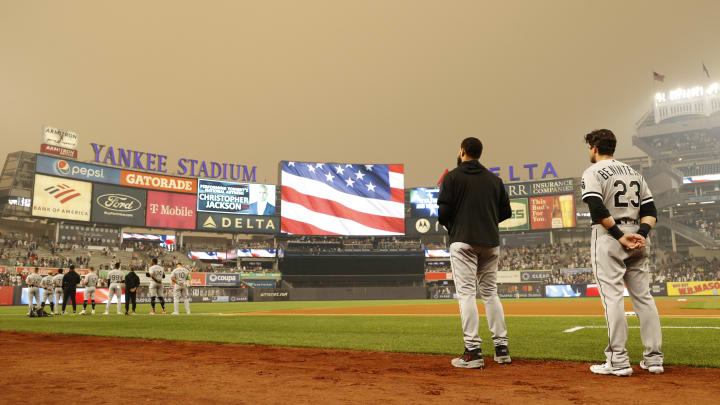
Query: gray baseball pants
point(474, 270)
point(614, 268)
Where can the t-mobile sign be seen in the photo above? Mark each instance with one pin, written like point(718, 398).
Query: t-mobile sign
point(170, 210)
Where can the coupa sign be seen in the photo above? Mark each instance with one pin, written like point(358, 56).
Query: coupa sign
point(156, 162)
point(223, 280)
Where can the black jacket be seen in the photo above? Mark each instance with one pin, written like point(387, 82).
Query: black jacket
point(70, 280)
point(131, 281)
point(473, 201)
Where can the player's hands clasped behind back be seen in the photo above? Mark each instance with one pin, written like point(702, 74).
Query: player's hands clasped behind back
point(632, 241)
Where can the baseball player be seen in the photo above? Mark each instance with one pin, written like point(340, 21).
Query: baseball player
point(48, 285)
point(156, 274)
point(179, 278)
point(115, 278)
point(471, 204)
point(57, 280)
point(33, 283)
point(90, 284)
point(623, 213)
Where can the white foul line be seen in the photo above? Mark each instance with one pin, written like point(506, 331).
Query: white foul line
point(577, 328)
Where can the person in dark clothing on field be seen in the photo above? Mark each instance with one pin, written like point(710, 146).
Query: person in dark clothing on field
point(472, 202)
point(132, 282)
point(69, 284)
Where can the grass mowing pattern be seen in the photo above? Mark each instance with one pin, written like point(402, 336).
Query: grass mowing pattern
point(530, 337)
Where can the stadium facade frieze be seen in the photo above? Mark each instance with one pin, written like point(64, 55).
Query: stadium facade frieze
point(158, 163)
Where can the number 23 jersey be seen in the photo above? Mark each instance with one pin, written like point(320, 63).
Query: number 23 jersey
point(622, 189)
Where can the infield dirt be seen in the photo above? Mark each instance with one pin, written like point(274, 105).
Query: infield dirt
point(40, 368)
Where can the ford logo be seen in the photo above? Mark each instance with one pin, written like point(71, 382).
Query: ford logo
point(118, 202)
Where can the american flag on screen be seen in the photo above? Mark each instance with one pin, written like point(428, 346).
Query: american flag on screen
point(342, 199)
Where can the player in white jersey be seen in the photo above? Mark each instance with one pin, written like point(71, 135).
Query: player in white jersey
point(179, 278)
point(115, 278)
point(156, 274)
point(33, 289)
point(48, 285)
point(57, 279)
point(90, 284)
point(623, 213)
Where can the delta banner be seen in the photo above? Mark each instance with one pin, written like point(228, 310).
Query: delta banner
point(693, 288)
point(552, 212)
point(158, 182)
point(118, 205)
point(76, 170)
point(246, 224)
point(170, 210)
point(54, 197)
point(519, 219)
point(227, 197)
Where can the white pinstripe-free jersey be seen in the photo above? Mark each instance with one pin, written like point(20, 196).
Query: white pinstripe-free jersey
point(622, 189)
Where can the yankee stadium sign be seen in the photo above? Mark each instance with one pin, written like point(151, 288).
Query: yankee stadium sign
point(156, 162)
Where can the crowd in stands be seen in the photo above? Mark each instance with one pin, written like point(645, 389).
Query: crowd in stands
point(336, 244)
point(687, 142)
point(708, 223)
point(681, 267)
point(562, 256)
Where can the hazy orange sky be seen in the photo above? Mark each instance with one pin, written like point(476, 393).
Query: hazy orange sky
point(346, 81)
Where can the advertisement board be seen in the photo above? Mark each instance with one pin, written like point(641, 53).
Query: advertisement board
point(223, 280)
point(54, 197)
point(519, 220)
point(197, 279)
point(7, 295)
point(272, 294)
point(58, 150)
point(540, 188)
point(508, 277)
point(423, 202)
point(59, 137)
point(248, 224)
point(437, 253)
point(520, 290)
point(170, 210)
point(693, 288)
point(226, 197)
point(658, 289)
point(535, 275)
point(552, 212)
point(438, 276)
point(565, 290)
point(76, 170)
point(423, 226)
point(158, 182)
point(118, 205)
point(261, 253)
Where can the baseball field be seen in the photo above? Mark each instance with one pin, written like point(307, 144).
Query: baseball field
point(352, 352)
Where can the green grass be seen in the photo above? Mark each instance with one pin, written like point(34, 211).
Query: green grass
point(702, 305)
point(530, 337)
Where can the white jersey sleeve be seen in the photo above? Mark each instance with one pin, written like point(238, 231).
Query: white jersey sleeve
point(590, 184)
point(645, 194)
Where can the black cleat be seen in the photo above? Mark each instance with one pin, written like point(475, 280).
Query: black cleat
point(469, 359)
point(502, 354)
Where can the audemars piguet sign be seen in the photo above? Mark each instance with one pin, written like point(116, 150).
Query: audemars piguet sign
point(59, 142)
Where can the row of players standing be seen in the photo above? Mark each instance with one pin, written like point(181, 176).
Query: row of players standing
point(64, 285)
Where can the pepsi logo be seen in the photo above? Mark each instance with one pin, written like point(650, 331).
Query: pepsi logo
point(62, 167)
